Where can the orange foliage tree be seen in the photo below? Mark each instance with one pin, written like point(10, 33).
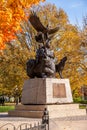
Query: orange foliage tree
point(11, 13)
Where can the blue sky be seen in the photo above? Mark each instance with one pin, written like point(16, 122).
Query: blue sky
point(75, 9)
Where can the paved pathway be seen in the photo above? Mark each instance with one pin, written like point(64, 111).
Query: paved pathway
point(64, 123)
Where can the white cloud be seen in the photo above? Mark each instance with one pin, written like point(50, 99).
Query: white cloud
point(76, 5)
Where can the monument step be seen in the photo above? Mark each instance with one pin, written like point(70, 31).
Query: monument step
point(50, 107)
point(55, 111)
point(30, 114)
point(30, 107)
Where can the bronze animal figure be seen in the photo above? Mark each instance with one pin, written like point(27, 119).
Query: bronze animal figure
point(33, 70)
point(60, 66)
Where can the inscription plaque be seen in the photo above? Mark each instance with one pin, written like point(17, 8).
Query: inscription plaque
point(59, 90)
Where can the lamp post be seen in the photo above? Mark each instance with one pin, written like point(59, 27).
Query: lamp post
point(45, 117)
point(16, 95)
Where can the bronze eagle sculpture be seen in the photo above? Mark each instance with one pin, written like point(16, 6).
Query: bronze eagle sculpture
point(43, 33)
point(43, 65)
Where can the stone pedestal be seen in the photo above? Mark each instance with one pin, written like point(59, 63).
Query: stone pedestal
point(53, 94)
point(46, 91)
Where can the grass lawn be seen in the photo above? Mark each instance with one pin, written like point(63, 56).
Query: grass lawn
point(6, 108)
point(81, 106)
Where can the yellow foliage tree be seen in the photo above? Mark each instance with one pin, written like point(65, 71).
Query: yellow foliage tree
point(66, 42)
point(11, 13)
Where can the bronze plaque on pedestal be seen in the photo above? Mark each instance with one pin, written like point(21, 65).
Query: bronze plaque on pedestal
point(59, 90)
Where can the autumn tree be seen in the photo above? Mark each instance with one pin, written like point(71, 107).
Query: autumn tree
point(83, 48)
point(66, 42)
point(84, 32)
point(12, 12)
point(12, 70)
point(13, 61)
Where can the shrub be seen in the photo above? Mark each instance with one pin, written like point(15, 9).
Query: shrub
point(80, 100)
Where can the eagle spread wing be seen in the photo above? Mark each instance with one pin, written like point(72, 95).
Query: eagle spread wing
point(36, 23)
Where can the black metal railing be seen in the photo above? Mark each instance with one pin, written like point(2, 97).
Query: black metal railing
point(44, 125)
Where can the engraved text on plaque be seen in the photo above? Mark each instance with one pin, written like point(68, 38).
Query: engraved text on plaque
point(59, 90)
